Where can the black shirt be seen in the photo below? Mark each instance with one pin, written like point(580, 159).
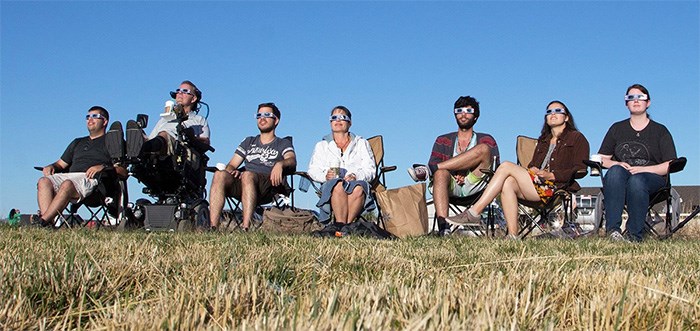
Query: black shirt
point(83, 153)
point(650, 146)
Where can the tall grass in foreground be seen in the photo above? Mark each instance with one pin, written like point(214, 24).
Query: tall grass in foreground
point(135, 280)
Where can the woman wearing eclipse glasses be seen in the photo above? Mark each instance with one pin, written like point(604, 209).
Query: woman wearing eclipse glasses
point(636, 152)
point(559, 153)
point(344, 163)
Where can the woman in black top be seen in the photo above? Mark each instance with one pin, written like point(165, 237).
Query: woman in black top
point(637, 152)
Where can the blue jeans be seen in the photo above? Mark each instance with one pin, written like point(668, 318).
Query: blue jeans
point(622, 188)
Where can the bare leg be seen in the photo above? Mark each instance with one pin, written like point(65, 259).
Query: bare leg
point(339, 203)
point(478, 157)
point(66, 193)
point(441, 183)
point(221, 182)
point(44, 194)
point(249, 196)
point(521, 179)
point(356, 201)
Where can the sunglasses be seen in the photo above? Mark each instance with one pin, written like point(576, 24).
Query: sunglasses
point(640, 97)
point(264, 115)
point(339, 118)
point(184, 91)
point(464, 110)
point(94, 116)
point(556, 111)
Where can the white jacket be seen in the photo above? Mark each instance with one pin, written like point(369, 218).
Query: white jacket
point(358, 159)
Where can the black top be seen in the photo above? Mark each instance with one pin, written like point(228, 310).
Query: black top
point(83, 153)
point(650, 146)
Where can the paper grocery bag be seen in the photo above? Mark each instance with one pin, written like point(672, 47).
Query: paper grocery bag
point(404, 210)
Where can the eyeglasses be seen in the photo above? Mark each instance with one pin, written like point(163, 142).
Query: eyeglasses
point(556, 111)
point(464, 110)
point(264, 115)
point(184, 91)
point(339, 118)
point(93, 116)
point(640, 97)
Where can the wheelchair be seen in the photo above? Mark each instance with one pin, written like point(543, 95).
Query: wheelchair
point(176, 182)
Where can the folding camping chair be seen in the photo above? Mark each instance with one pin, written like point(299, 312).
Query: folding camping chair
point(106, 206)
point(663, 195)
point(377, 185)
point(561, 201)
point(280, 198)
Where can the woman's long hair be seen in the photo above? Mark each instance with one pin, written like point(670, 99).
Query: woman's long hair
point(546, 130)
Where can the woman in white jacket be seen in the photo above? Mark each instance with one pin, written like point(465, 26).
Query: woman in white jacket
point(344, 163)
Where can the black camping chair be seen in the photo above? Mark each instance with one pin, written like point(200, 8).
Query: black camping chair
point(106, 205)
point(560, 201)
point(279, 198)
point(663, 195)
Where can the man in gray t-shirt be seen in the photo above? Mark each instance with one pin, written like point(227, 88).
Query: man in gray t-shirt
point(267, 158)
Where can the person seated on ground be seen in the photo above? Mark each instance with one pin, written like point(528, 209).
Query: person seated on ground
point(84, 159)
point(637, 152)
point(344, 163)
point(559, 154)
point(267, 159)
point(162, 139)
point(457, 159)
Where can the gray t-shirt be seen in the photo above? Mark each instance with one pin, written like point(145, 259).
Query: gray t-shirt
point(259, 157)
point(169, 124)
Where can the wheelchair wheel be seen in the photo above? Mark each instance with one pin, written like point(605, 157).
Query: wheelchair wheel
point(199, 218)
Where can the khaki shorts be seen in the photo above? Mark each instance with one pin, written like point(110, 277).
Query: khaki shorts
point(464, 190)
point(85, 186)
point(266, 192)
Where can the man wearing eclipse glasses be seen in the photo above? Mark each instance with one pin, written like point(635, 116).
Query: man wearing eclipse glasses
point(267, 158)
point(73, 176)
point(457, 158)
point(164, 134)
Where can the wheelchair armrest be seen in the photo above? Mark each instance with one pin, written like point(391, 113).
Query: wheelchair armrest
point(677, 165)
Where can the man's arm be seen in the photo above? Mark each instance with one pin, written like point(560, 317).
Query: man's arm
point(50, 169)
point(277, 174)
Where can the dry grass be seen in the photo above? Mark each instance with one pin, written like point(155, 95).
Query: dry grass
point(107, 280)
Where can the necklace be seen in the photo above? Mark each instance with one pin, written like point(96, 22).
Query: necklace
point(343, 146)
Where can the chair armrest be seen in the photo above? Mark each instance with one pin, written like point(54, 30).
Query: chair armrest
point(593, 164)
point(387, 169)
point(677, 165)
point(580, 173)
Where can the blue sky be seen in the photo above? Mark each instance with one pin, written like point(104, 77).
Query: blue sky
point(399, 66)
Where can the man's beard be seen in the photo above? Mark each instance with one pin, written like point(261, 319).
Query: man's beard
point(267, 129)
point(467, 125)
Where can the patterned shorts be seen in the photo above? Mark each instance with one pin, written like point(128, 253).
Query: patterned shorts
point(545, 188)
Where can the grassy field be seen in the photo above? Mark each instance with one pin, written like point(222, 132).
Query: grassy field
point(110, 280)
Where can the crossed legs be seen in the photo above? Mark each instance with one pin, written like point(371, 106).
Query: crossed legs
point(512, 182)
point(474, 159)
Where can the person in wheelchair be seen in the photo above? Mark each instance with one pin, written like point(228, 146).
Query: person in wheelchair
point(344, 163)
point(637, 152)
point(267, 159)
point(171, 158)
point(73, 177)
point(559, 154)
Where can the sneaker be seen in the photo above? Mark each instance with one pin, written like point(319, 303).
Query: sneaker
point(134, 139)
point(618, 237)
point(114, 141)
point(419, 172)
point(464, 218)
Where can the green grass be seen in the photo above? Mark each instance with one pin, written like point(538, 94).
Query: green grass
point(134, 280)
